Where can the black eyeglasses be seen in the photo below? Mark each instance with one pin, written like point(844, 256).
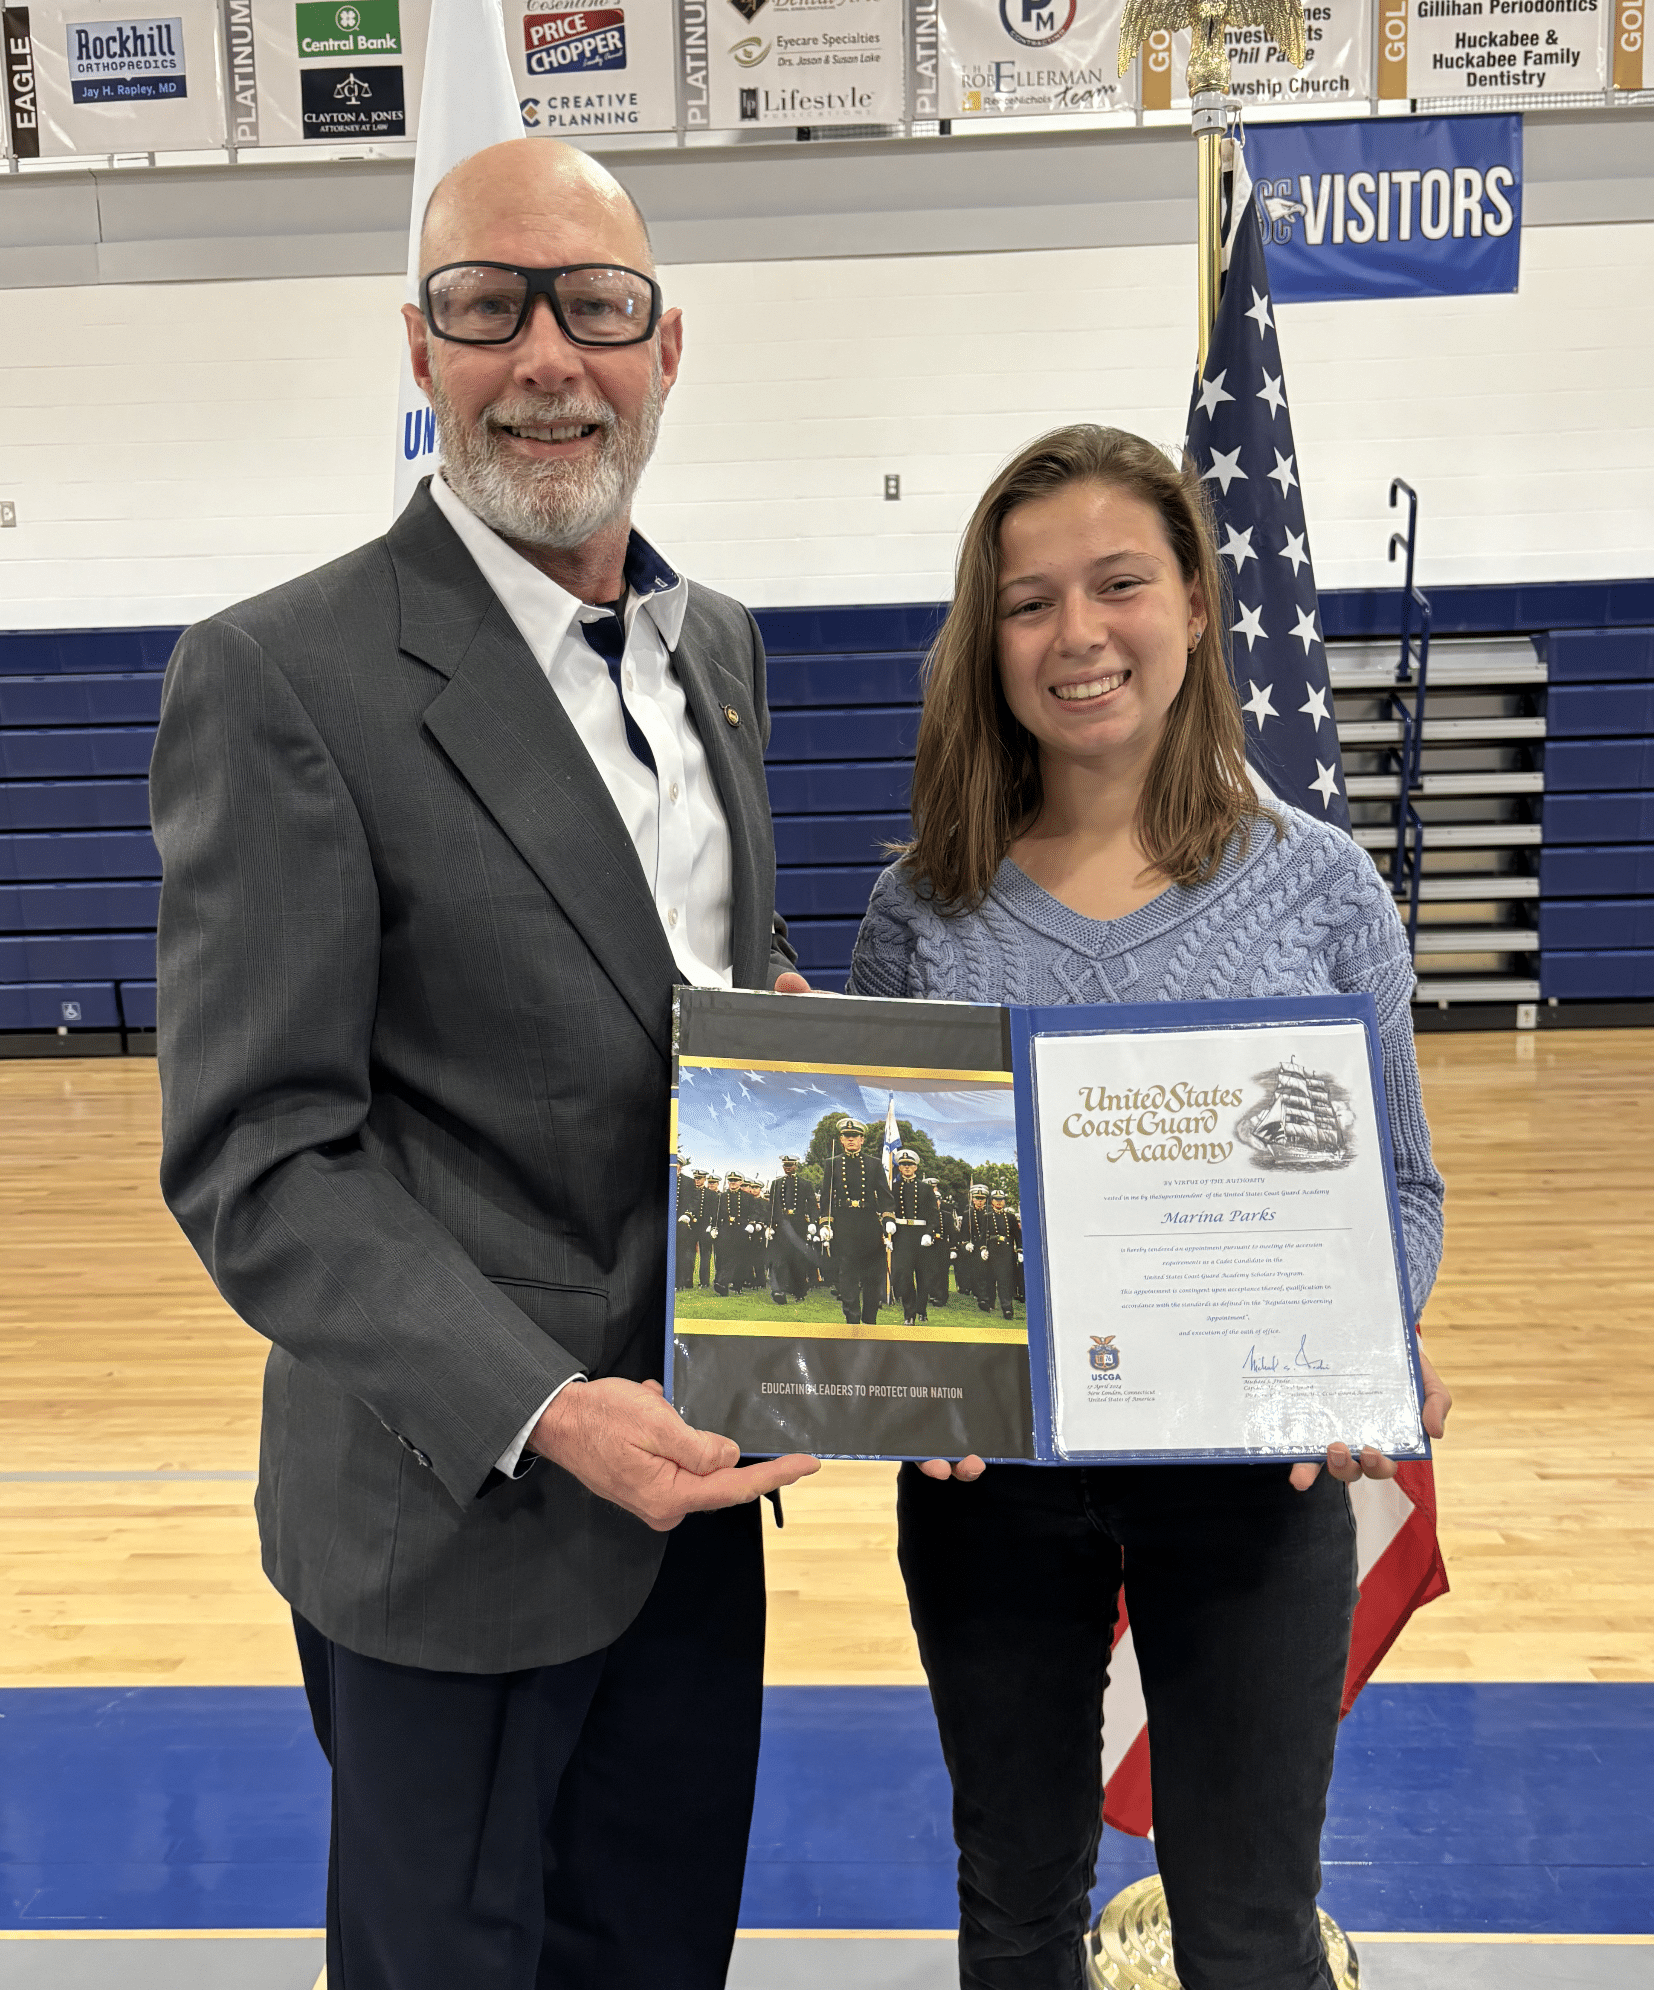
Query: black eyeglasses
point(489, 303)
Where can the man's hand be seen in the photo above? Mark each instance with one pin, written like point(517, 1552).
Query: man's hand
point(1348, 1465)
point(627, 1443)
point(791, 984)
point(967, 1468)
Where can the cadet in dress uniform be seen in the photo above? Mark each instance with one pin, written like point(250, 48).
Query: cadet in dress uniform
point(973, 1244)
point(728, 1214)
point(1003, 1235)
point(683, 1259)
point(917, 1242)
point(753, 1226)
point(793, 1213)
point(938, 1259)
point(855, 1205)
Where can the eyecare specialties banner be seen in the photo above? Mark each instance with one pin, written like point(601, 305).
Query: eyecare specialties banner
point(1030, 58)
point(1524, 48)
point(750, 63)
point(1392, 207)
point(582, 71)
point(101, 78)
point(326, 72)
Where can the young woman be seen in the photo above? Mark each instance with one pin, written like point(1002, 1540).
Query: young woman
point(1085, 831)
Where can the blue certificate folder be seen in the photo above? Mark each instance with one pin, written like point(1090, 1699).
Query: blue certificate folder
point(1208, 1263)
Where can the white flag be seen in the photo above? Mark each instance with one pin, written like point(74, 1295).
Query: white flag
point(892, 1140)
point(468, 103)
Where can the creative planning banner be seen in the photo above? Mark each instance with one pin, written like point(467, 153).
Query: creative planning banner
point(752, 63)
point(1029, 58)
point(326, 72)
point(91, 76)
point(587, 71)
point(1535, 49)
point(1389, 207)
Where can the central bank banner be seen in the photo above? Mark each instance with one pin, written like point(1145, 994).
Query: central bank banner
point(1392, 207)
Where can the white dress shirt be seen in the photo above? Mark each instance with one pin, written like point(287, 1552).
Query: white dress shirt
point(673, 814)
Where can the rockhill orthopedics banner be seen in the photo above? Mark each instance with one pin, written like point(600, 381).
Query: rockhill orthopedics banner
point(105, 78)
point(1391, 207)
point(1521, 48)
point(582, 71)
point(751, 63)
point(326, 72)
point(1030, 58)
point(1338, 62)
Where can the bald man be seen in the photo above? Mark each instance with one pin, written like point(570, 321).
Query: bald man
point(442, 825)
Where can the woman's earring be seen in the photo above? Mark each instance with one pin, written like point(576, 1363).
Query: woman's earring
point(1194, 641)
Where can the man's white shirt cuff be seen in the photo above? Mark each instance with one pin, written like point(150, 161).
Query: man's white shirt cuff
point(510, 1460)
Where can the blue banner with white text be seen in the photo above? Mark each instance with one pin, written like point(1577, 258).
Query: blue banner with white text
point(1389, 207)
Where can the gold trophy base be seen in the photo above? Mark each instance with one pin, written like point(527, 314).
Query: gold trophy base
point(1131, 1946)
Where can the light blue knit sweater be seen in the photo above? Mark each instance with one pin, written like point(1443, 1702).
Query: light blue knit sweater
point(1306, 916)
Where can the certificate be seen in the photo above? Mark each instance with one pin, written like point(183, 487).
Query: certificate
point(1218, 1269)
point(1186, 1243)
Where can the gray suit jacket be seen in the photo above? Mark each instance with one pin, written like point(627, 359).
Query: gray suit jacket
point(415, 1005)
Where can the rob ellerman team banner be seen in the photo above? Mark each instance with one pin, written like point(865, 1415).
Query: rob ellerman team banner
point(1398, 207)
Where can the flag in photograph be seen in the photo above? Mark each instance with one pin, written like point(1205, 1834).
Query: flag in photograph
point(892, 1140)
point(1399, 1568)
point(469, 101)
point(1240, 436)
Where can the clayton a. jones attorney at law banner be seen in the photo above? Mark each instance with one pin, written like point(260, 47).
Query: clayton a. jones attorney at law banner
point(87, 78)
point(755, 63)
point(1337, 71)
point(1533, 49)
point(584, 71)
point(1389, 207)
point(331, 73)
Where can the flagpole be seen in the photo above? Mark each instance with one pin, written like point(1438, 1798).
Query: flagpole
point(1209, 197)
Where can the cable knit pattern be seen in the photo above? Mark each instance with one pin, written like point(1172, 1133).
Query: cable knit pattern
point(1306, 916)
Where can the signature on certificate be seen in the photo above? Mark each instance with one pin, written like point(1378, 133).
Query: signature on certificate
point(1273, 1364)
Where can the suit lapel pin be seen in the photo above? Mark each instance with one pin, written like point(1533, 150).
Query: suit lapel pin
point(732, 715)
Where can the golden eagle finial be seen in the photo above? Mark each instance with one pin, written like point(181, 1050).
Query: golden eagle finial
point(1281, 20)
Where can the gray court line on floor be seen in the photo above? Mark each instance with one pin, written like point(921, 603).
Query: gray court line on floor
point(116, 1478)
point(860, 1963)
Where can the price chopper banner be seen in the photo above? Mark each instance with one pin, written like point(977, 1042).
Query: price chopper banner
point(326, 72)
point(1338, 62)
point(1391, 207)
point(751, 63)
point(1029, 58)
point(582, 71)
point(84, 78)
point(1522, 48)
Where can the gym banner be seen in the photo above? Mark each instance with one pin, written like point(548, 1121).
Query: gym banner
point(1392, 207)
point(326, 73)
point(1030, 58)
point(1338, 63)
point(1632, 69)
point(99, 78)
point(1522, 48)
point(582, 71)
point(794, 62)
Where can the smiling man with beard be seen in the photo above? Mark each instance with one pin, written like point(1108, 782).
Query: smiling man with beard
point(442, 825)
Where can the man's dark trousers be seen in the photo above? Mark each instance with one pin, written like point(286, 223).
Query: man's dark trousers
point(595, 1814)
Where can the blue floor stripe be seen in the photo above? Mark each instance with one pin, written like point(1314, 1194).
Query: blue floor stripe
point(1499, 1809)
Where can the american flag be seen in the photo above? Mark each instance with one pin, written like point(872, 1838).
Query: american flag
point(1240, 435)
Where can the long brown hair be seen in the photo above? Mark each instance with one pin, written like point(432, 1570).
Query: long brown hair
point(976, 776)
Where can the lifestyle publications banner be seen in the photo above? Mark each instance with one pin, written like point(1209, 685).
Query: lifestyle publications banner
point(1389, 207)
point(1535, 49)
point(84, 78)
point(1028, 58)
point(582, 71)
point(326, 72)
point(752, 63)
point(1338, 62)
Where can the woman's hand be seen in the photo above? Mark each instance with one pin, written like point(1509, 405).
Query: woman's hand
point(967, 1468)
point(1348, 1465)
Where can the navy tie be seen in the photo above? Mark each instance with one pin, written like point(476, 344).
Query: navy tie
point(607, 636)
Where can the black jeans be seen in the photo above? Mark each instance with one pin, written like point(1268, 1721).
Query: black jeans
point(1241, 1593)
point(570, 1827)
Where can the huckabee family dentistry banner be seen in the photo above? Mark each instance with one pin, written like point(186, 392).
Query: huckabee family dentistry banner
point(1392, 207)
point(1533, 49)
